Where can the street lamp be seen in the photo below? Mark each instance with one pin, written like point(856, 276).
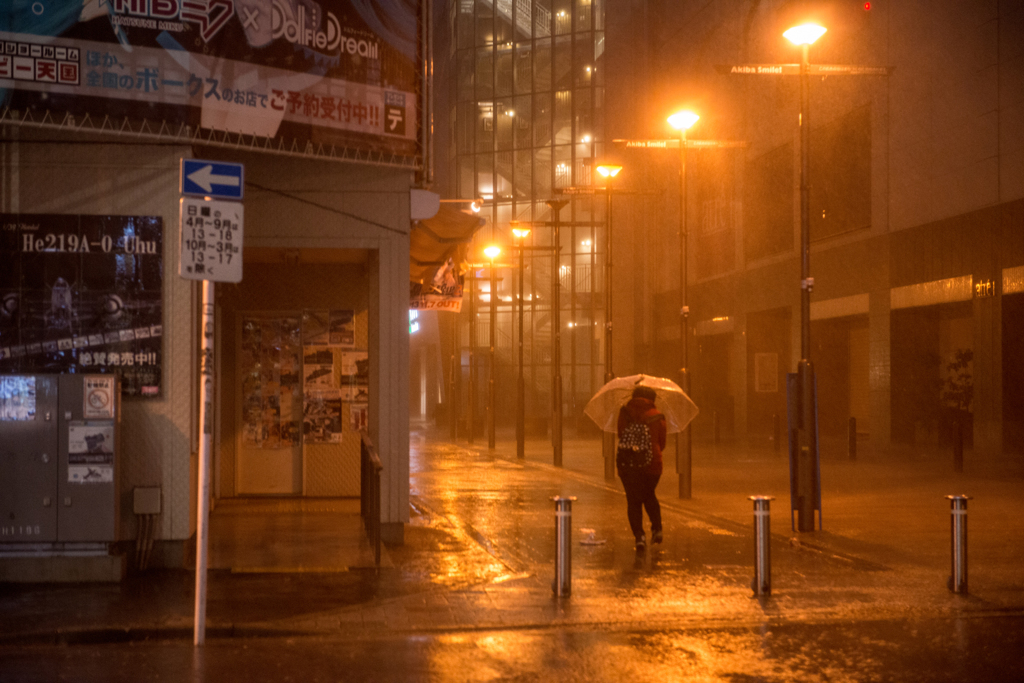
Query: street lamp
point(683, 121)
point(608, 171)
point(521, 234)
point(556, 206)
point(492, 252)
point(804, 36)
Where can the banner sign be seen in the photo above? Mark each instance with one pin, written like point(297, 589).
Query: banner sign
point(442, 293)
point(334, 72)
point(82, 294)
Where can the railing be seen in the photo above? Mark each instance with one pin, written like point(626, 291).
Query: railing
point(582, 277)
point(369, 491)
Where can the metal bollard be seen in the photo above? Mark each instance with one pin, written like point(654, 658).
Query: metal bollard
point(762, 583)
point(563, 545)
point(958, 543)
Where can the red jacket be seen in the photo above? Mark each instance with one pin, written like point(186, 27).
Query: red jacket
point(640, 410)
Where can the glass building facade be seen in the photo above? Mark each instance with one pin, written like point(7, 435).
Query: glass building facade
point(526, 127)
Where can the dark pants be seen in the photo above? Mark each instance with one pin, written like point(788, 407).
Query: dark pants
point(639, 495)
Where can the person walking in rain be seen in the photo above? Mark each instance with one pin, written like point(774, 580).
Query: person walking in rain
point(642, 431)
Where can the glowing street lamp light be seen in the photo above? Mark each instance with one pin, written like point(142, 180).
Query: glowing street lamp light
point(805, 34)
point(683, 121)
point(608, 171)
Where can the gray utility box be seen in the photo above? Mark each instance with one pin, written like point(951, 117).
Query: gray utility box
point(59, 437)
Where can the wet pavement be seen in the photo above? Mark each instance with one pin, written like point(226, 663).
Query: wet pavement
point(469, 596)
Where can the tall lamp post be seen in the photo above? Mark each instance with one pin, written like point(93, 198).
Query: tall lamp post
point(608, 171)
point(804, 36)
point(520, 234)
point(556, 206)
point(492, 253)
point(683, 121)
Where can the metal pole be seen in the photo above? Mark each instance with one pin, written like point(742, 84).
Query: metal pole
point(556, 351)
point(808, 448)
point(852, 437)
point(490, 360)
point(563, 545)
point(206, 398)
point(608, 439)
point(684, 442)
point(958, 543)
point(805, 210)
point(521, 384)
point(471, 394)
point(453, 404)
point(762, 583)
point(573, 412)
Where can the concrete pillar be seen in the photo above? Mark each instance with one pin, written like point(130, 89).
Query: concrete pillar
point(389, 379)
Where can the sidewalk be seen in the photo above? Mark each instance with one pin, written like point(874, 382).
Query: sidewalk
point(889, 511)
point(478, 555)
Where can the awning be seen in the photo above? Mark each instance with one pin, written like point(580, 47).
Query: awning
point(433, 241)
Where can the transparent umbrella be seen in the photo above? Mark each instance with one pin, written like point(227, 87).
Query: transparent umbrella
point(672, 401)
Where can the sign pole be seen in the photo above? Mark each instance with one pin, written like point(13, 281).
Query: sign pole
point(206, 397)
point(210, 236)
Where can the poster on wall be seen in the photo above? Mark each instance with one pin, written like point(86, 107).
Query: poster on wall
point(321, 421)
point(343, 328)
point(315, 327)
point(17, 398)
point(359, 416)
point(83, 294)
point(318, 369)
point(330, 72)
point(91, 452)
point(355, 376)
point(270, 364)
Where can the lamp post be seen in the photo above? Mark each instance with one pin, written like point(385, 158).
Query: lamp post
point(608, 171)
point(520, 234)
point(471, 392)
point(556, 206)
point(492, 253)
point(807, 446)
point(682, 121)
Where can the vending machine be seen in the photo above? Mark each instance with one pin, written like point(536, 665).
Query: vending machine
point(59, 458)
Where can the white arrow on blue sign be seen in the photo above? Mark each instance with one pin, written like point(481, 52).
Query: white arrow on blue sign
point(212, 179)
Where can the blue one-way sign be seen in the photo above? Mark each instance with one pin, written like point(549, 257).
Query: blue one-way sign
point(212, 179)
